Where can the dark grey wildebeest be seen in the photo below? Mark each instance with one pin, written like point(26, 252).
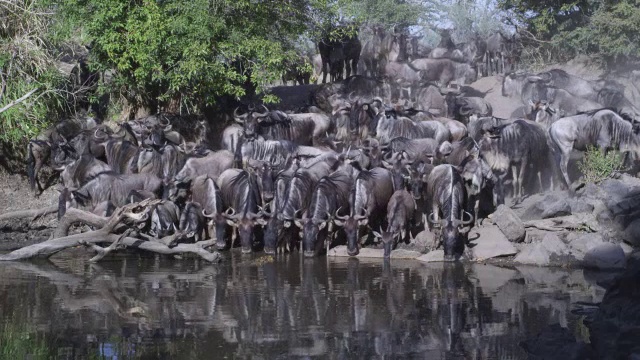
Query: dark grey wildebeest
point(330, 194)
point(603, 128)
point(518, 146)
point(369, 196)
point(108, 186)
point(446, 198)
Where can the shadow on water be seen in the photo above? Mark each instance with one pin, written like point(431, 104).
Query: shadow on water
point(281, 308)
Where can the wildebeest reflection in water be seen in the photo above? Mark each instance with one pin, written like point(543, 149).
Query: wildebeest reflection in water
point(259, 306)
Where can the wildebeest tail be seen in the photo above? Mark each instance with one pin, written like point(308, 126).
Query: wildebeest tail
point(31, 164)
point(62, 202)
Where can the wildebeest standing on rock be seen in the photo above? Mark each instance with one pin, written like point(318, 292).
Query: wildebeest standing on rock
point(518, 146)
point(446, 197)
point(602, 128)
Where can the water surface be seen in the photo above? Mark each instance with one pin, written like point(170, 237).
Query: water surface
point(257, 306)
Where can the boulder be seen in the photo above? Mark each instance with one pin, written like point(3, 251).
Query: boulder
point(605, 257)
point(632, 233)
point(509, 223)
point(490, 242)
point(580, 206)
point(583, 243)
point(556, 209)
point(551, 250)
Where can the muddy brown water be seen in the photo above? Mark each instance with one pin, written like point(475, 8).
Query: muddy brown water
point(257, 306)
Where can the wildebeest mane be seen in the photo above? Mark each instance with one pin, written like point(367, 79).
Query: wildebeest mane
point(245, 188)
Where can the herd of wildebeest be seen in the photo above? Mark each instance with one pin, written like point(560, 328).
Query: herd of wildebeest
point(370, 159)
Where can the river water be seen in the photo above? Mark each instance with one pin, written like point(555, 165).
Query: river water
point(260, 307)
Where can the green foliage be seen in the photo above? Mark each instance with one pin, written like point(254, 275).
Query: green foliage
point(27, 63)
point(597, 166)
point(168, 51)
point(389, 13)
point(470, 17)
point(608, 30)
point(19, 342)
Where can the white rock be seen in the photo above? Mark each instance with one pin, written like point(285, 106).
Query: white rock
point(405, 254)
point(432, 256)
point(583, 243)
point(491, 242)
point(543, 253)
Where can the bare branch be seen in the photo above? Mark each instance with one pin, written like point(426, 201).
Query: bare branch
point(18, 101)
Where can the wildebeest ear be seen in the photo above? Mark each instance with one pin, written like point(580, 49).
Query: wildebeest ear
point(534, 78)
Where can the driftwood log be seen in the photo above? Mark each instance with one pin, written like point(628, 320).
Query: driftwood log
point(129, 216)
point(33, 214)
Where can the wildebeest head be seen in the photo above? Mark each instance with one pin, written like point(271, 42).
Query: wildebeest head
point(219, 223)
point(450, 232)
point(311, 227)
point(418, 173)
point(191, 224)
point(244, 223)
point(250, 121)
point(265, 179)
point(475, 172)
point(351, 223)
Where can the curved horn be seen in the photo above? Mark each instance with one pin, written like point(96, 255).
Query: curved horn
point(104, 134)
point(350, 97)
point(163, 123)
point(210, 216)
point(343, 218)
point(431, 219)
point(265, 113)
point(467, 222)
point(239, 117)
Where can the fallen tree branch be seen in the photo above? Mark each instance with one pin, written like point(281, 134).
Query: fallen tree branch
point(18, 101)
point(102, 252)
point(33, 213)
point(50, 247)
point(73, 216)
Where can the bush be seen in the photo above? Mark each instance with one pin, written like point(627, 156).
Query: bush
point(596, 166)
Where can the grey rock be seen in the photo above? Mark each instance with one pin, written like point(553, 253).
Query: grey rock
point(583, 243)
point(490, 243)
point(558, 208)
point(404, 254)
point(341, 251)
point(551, 250)
point(579, 206)
point(509, 223)
point(605, 256)
point(632, 233)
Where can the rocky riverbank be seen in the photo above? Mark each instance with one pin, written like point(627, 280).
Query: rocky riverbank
point(595, 226)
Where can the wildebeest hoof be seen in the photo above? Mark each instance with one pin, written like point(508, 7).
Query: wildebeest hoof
point(269, 251)
point(246, 250)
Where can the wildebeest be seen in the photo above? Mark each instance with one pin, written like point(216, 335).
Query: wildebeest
point(330, 194)
point(108, 186)
point(603, 128)
point(462, 108)
point(240, 194)
point(444, 71)
point(400, 212)
point(500, 52)
point(165, 219)
point(343, 48)
point(369, 196)
point(390, 126)
point(77, 173)
point(191, 225)
point(518, 146)
point(446, 197)
point(212, 165)
point(206, 192)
